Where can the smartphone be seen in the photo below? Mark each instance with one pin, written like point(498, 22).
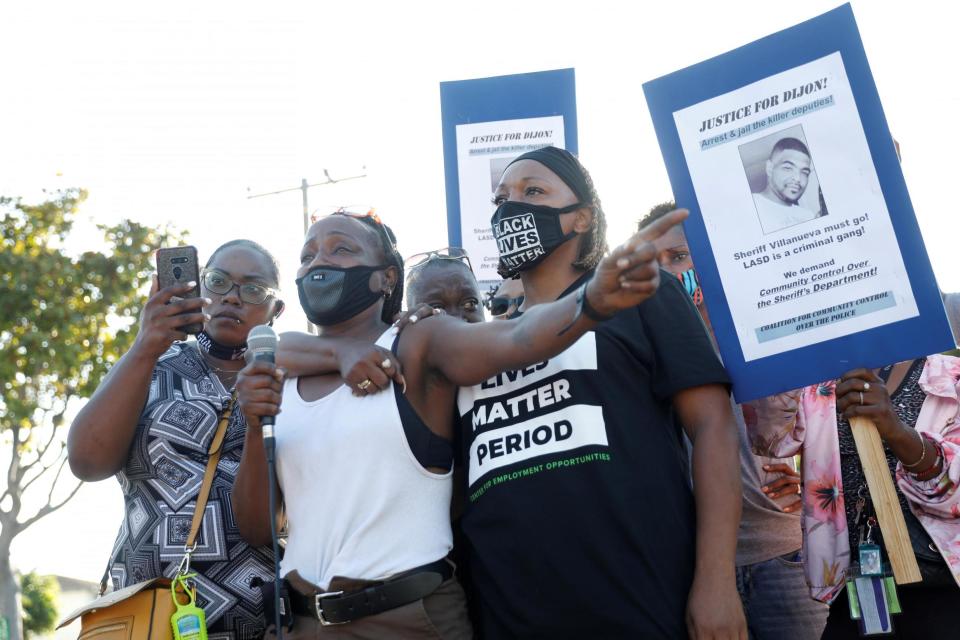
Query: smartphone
point(178, 265)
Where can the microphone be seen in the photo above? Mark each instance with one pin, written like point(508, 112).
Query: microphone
point(262, 345)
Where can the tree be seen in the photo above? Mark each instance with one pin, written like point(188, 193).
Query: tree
point(64, 319)
point(40, 595)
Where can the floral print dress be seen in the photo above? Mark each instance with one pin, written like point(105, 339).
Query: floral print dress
point(807, 419)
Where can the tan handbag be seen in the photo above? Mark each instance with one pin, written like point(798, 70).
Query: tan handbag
point(142, 611)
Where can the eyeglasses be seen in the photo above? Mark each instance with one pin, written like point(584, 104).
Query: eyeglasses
point(220, 283)
point(500, 305)
point(447, 253)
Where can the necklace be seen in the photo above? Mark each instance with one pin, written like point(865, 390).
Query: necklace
point(224, 375)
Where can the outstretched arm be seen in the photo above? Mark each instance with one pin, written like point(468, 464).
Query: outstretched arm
point(469, 354)
point(302, 354)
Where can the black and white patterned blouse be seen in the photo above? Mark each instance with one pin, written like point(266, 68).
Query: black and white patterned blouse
point(160, 482)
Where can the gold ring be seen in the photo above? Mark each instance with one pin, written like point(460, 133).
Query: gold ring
point(861, 397)
point(364, 385)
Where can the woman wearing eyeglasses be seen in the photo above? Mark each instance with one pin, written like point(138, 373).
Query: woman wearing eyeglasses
point(151, 421)
point(366, 481)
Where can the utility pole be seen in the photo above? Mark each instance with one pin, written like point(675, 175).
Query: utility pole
point(303, 188)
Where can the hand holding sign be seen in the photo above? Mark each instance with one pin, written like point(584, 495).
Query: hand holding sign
point(863, 398)
point(630, 273)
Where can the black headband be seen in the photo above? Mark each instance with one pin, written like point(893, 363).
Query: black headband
point(565, 165)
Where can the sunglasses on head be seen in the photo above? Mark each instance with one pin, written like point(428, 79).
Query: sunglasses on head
point(500, 305)
point(359, 213)
point(447, 253)
point(218, 282)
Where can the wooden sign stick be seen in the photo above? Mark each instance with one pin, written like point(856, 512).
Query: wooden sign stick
point(895, 536)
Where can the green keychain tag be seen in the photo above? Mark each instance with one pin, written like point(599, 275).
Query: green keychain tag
point(189, 621)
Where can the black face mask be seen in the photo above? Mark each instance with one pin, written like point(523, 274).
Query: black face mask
point(526, 234)
point(330, 295)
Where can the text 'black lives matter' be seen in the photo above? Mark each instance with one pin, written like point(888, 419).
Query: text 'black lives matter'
point(533, 413)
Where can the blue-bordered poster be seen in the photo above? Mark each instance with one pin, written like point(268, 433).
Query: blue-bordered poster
point(486, 123)
point(801, 227)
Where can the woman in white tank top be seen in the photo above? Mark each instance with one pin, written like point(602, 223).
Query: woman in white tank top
point(364, 477)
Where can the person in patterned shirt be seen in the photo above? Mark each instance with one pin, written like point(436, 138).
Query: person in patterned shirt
point(150, 424)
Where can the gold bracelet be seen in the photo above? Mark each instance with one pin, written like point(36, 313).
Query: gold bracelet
point(923, 456)
point(936, 463)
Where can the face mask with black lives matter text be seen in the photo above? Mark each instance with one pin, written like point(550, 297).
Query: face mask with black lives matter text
point(527, 233)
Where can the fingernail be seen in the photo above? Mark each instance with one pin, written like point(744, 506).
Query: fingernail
point(764, 489)
point(207, 301)
point(206, 316)
point(404, 381)
point(192, 283)
point(624, 284)
point(413, 319)
point(622, 263)
point(766, 467)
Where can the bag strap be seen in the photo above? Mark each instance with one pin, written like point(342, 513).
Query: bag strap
point(212, 461)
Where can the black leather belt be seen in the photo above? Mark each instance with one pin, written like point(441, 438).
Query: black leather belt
point(338, 607)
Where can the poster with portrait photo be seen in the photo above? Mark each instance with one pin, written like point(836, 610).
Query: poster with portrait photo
point(783, 260)
point(783, 179)
point(801, 228)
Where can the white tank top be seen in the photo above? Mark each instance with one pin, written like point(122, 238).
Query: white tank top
point(358, 503)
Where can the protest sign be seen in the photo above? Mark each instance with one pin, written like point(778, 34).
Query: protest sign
point(805, 240)
point(486, 123)
point(804, 237)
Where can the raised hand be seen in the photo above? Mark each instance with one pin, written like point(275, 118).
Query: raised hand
point(160, 318)
point(631, 273)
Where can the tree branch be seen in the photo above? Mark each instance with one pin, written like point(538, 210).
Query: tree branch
point(53, 431)
point(43, 470)
point(14, 462)
point(56, 479)
point(40, 453)
point(48, 509)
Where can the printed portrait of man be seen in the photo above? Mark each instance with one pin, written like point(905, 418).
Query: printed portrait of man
point(788, 170)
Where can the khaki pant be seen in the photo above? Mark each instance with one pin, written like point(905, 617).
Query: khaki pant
point(442, 615)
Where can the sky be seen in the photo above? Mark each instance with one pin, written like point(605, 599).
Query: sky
point(177, 112)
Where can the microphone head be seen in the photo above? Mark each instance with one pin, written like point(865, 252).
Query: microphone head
point(262, 339)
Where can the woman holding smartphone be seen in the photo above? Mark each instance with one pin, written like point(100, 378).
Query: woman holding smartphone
point(150, 423)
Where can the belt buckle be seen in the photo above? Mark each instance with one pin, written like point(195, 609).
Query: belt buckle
point(317, 600)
